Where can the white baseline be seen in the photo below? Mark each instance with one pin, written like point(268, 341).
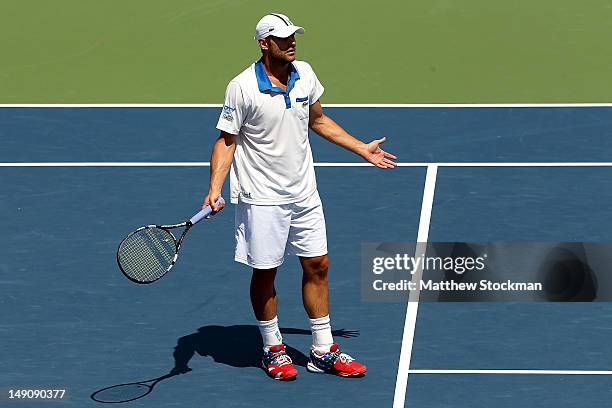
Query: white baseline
point(325, 105)
point(322, 164)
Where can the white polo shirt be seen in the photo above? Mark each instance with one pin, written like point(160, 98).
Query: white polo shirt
point(273, 162)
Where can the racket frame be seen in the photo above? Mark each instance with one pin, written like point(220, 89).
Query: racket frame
point(177, 245)
point(205, 213)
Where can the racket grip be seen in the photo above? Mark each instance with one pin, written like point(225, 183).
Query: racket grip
point(205, 212)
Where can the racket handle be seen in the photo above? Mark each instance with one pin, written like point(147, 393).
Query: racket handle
point(205, 212)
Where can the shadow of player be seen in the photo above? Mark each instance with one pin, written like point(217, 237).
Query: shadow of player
point(236, 346)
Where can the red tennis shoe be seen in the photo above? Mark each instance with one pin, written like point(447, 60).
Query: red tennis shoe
point(278, 364)
point(335, 362)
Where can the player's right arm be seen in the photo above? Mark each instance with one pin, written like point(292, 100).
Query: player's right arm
point(230, 122)
point(220, 163)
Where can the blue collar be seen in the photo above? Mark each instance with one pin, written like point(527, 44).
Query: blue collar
point(264, 84)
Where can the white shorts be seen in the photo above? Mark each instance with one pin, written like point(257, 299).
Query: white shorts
point(266, 233)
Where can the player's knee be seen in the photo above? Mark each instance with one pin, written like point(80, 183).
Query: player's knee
point(263, 278)
point(317, 268)
point(323, 264)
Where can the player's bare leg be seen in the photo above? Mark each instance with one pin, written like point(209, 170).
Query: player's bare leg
point(263, 293)
point(314, 286)
point(275, 361)
point(325, 355)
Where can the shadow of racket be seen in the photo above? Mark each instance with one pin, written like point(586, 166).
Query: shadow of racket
point(128, 392)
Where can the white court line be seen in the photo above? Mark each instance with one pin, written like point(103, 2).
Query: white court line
point(111, 105)
point(468, 105)
point(323, 164)
point(325, 105)
point(401, 381)
point(106, 164)
point(513, 372)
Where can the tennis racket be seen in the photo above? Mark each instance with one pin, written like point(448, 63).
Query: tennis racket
point(127, 392)
point(149, 252)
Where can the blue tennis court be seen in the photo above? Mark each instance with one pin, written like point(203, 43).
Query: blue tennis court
point(70, 319)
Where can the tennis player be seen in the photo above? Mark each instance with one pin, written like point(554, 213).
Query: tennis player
point(264, 146)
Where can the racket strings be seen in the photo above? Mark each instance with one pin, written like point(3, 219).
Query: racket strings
point(147, 254)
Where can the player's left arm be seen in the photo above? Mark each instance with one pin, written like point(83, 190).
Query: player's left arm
point(325, 127)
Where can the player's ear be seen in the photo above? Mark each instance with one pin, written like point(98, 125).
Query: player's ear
point(263, 44)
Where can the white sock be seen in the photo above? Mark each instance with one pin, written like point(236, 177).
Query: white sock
point(270, 333)
point(322, 338)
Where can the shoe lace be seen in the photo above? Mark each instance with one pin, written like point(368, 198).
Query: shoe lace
point(281, 358)
point(344, 358)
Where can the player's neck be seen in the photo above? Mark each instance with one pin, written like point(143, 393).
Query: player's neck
point(277, 70)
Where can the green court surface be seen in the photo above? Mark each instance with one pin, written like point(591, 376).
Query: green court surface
point(422, 51)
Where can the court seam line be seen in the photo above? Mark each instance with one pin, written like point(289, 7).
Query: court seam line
point(403, 367)
point(321, 164)
point(512, 372)
point(325, 105)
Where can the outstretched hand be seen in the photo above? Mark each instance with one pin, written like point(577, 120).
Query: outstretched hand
point(377, 156)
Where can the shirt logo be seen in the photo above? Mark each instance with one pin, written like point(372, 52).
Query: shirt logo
point(228, 113)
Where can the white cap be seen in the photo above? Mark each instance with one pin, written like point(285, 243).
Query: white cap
point(277, 25)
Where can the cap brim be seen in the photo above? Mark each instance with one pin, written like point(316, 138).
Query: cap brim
point(287, 31)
